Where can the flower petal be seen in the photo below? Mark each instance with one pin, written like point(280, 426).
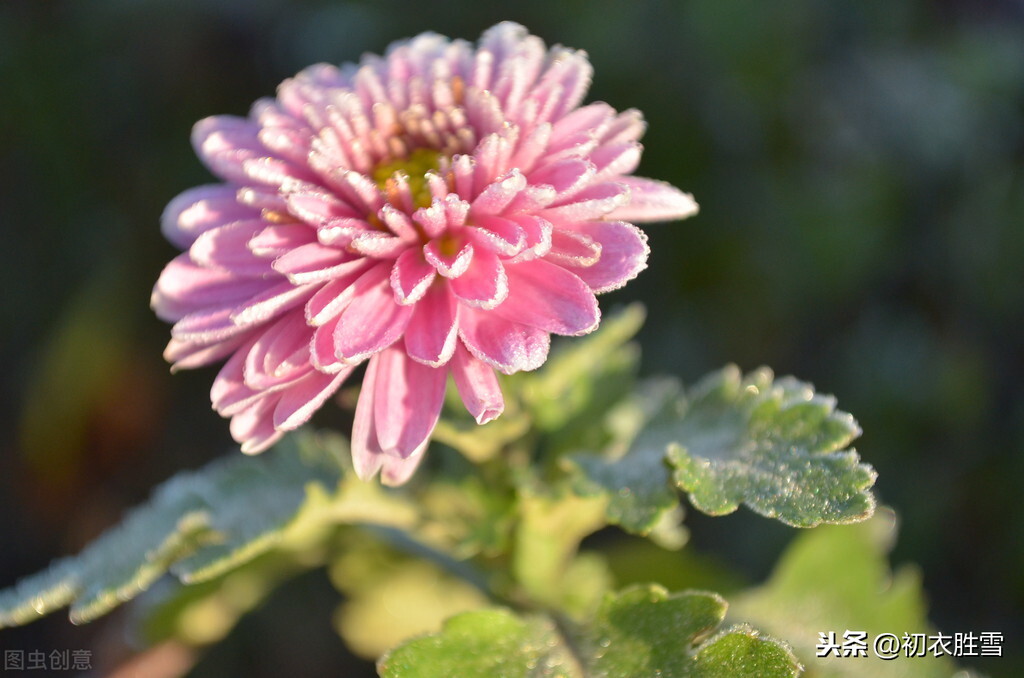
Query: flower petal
point(430, 336)
point(367, 455)
point(411, 276)
point(623, 251)
point(300, 400)
point(550, 298)
point(397, 470)
point(253, 427)
point(407, 402)
point(449, 265)
point(224, 143)
point(227, 248)
point(505, 345)
point(484, 284)
point(478, 386)
point(199, 209)
point(372, 321)
point(651, 200)
point(185, 287)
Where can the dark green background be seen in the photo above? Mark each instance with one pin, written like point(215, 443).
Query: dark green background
point(858, 166)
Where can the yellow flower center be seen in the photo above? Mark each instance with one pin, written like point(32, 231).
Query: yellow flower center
point(415, 168)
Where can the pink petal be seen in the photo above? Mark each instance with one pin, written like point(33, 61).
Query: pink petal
point(550, 298)
point(569, 248)
point(367, 455)
point(567, 176)
point(253, 427)
point(433, 220)
point(300, 400)
point(484, 284)
point(499, 234)
point(278, 239)
point(624, 253)
point(407, 402)
point(373, 321)
point(614, 160)
point(188, 355)
point(430, 335)
point(316, 263)
point(396, 470)
point(271, 302)
point(411, 276)
point(478, 386)
point(328, 301)
point(224, 143)
point(318, 207)
point(199, 209)
point(652, 200)
point(593, 202)
point(227, 248)
point(448, 265)
point(229, 393)
point(321, 348)
point(378, 245)
point(184, 287)
point(494, 198)
point(505, 345)
point(279, 354)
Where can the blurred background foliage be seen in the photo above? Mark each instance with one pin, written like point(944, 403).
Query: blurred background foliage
point(858, 167)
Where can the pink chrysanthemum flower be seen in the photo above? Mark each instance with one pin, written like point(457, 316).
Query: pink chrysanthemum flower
point(440, 210)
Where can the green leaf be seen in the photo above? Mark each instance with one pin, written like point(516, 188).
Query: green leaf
point(641, 631)
point(645, 631)
point(197, 525)
point(834, 579)
point(493, 643)
point(633, 474)
point(581, 381)
point(771, 444)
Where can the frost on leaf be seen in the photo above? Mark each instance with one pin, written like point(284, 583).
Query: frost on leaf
point(640, 631)
point(771, 444)
point(196, 525)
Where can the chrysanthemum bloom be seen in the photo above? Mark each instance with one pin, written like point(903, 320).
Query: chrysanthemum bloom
point(440, 210)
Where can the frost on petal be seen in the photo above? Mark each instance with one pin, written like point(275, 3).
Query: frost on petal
point(550, 298)
point(623, 254)
point(199, 209)
point(302, 399)
point(478, 386)
point(449, 258)
point(316, 263)
point(185, 287)
point(407, 402)
point(431, 334)
point(253, 427)
point(484, 284)
point(372, 321)
point(411, 276)
point(224, 143)
point(397, 410)
point(367, 455)
point(651, 200)
point(227, 248)
point(507, 346)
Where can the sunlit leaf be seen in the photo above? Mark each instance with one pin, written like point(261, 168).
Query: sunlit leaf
point(636, 480)
point(771, 444)
point(641, 631)
point(196, 525)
